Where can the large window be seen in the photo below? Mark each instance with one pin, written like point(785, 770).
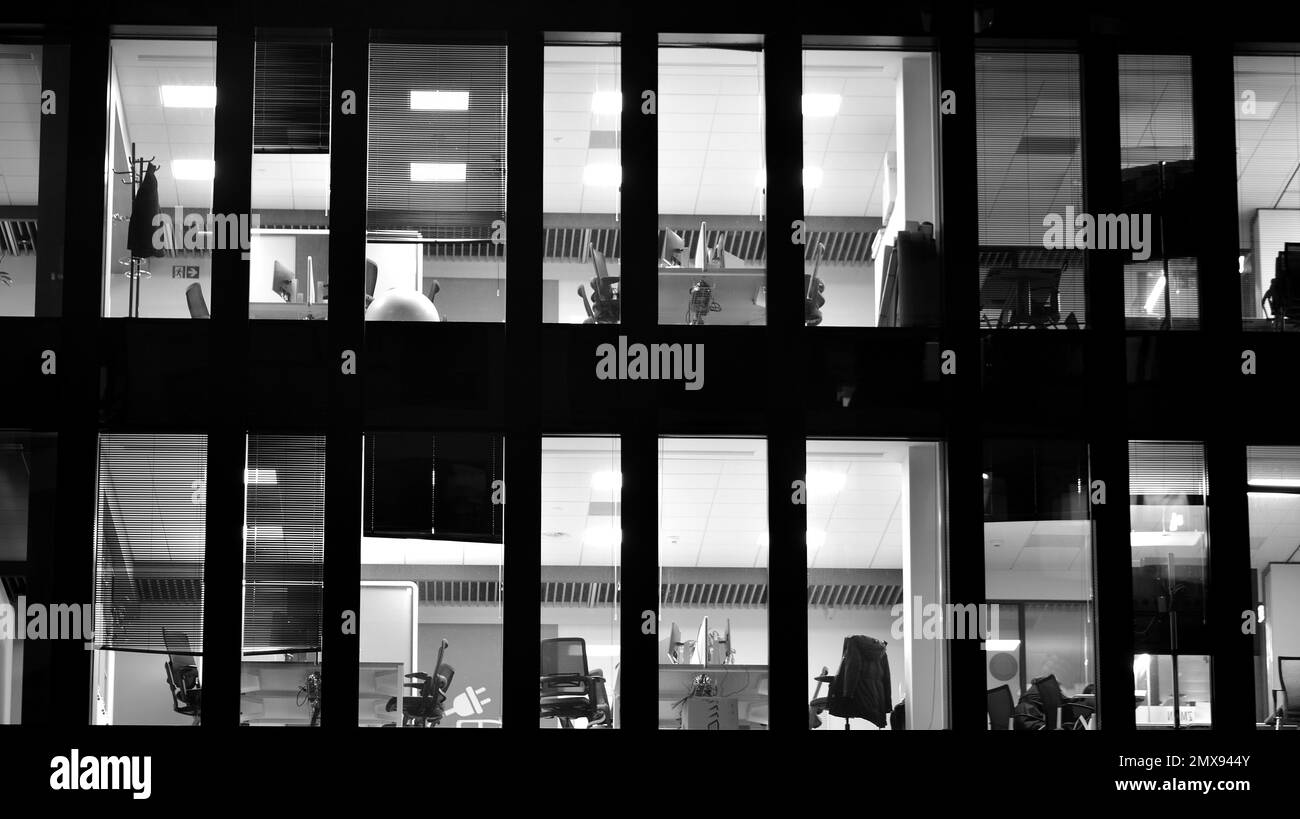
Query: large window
point(869, 189)
point(1170, 552)
point(1157, 161)
point(284, 550)
point(160, 227)
point(20, 159)
point(713, 547)
point(436, 186)
point(581, 174)
point(1030, 178)
point(875, 545)
point(150, 534)
point(712, 187)
point(1038, 573)
point(431, 563)
point(581, 551)
point(1268, 190)
point(288, 259)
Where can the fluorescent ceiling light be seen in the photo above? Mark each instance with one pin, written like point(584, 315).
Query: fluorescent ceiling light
point(260, 476)
point(812, 178)
point(606, 481)
point(439, 100)
point(826, 482)
point(197, 170)
point(1285, 483)
point(816, 537)
point(189, 96)
point(607, 102)
point(437, 171)
point(1001, 645)
point(821, 105)
point(602, 175)
point(1154, 298)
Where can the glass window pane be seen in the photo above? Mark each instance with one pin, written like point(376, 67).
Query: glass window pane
point(431, 563)
point(581, 175)
point(161, 230)
point(436, 186)
point(581, 550)
point(712, 238)
point(1273, 480)
point(20, 162)
point(1157, 161)
point(875, 560)
point(288, 259)
point(1038, 571)
point(284, 551)
point(1170, 553)
point(713, 545)
point(150, 537)
point(1268, 199)
point(1029, 166)
point(869, 189)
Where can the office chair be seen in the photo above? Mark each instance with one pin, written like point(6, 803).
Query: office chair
point(284, 283)
point(183, 675)
point(372, 279)
point(1282, 299)
point(1288, 675)
point(1043, 707)
point(604, 306)
point(1002, 707)
point(567, 690)
point(194, 298)
point(424, 709)
point(1021, 297)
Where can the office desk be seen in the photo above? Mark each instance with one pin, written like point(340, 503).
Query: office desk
point(287, 310)
point(734, 289)
point(268, 692)
point(747, 684)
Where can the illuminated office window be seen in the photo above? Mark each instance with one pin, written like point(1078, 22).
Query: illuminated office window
point(160, 227)
point(20, 161)
point(712, 183)
point(581, 551)
point(1030, 179)
point(1157, 161)
point(1268, 197)
point(1273, 491)
point(150, 537)
point(284, 551)
point(581, 174)
point(431, 562)
point(713, 558)
point(869, 189)
point(288, 262)
point(1170, 544)
point(875, 545)
point(1038, 573)
point(436, 183)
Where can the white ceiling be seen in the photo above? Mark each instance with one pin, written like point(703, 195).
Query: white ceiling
point(20, 129)
point(1274, 528)
point(291, 182)
point(571, 534)
point(1039, 548)
point(572, 75)
point(1268, 141)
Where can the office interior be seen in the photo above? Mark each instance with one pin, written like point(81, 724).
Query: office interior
point(879, 528)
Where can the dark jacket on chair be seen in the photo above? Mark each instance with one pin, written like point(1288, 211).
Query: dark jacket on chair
point(861, 687)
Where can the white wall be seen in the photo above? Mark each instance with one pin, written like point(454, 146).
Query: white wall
point(19, 299)
point(1281, 614)
point(162, 296)
point(140, 692)
point(1273, 229)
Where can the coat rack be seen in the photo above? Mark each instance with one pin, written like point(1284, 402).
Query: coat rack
point(136, 174)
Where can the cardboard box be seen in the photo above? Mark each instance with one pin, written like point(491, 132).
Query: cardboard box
point(711, 714)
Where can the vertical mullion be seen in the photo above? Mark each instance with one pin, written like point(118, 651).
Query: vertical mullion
point(786, 444)
point(639, 657)
point(959, 242)
point(53, 180)
point(523, 457)
point(1105, 357)
point(224, 541)
point(341, 596)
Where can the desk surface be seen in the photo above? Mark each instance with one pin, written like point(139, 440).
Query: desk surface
point(747, 684)
point(287, 310)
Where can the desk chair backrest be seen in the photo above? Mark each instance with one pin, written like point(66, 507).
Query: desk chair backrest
point(372, 279)
point(195, 301)
point(564, 655)
point(182, 669)
point(1288, 674)
point(179, 651)
point(1001, 708)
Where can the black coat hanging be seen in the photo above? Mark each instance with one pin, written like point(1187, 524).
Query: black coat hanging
point(140, 231)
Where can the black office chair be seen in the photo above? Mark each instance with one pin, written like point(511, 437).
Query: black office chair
point(372, 279)
point(183, 675)
point(604, 306)
point(1021, 297)
point(567, 689)
point(1288, 675)
point(194, 299)
point(1002, 707)
point(1044, 707)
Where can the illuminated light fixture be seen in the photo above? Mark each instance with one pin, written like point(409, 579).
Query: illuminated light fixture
point(1280, 483)
point(264, 477)
point(602, 536)
point(194, 170)
point(825, 482)
point(602, 175)
point(984, 475)
point(812, 178)
point(602, 650)
point(606, 481)
point(816, 538)
point(1154, 298)
point(188, 96)
point(437, 171)
point(821, 105)
point(1001, 645)
point(265, 532)
point(439, 100)
point(607, 102)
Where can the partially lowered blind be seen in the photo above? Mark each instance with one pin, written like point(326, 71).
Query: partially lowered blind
point(1165, 468)
point(149, 541)
point(1276, 466)
point(291, 90)
point(284, 543)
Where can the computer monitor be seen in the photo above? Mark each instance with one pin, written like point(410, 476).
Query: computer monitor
point(675, 645)
point(702, 643)
point(701, 260)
